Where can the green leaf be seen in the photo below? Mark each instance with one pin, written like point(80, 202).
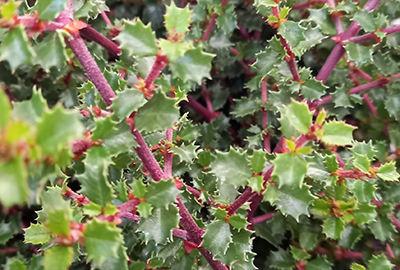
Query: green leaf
point(160, 113)
point(356, 266)
point(361, 162)
point(266, 61)
point(90, 9)
point(103, 126)
point(205, 158)
point(312, 37)
point(196, 60)
point(380, 262)
point(294, 201)
point(13, 182)
point(293, 33)
point(58, 257)
point(17, 265)
point(8, 230)
point(299, 254)
point(138, 39)
point(174, 50)
point(162, 193)
point(226, 20)
point(364, 191)
point(363, 148)
point(49, 9)
point(245, 106)
point(358, 53)
point(28, 110)
point(144, 209)
point(331, 163)
point(37, 234)
point(232, 168)
point(58, 222)
point(8, 9)
point(102, 240)
point(5, 109)
point(138, 188)
point(120, 140)
point(382, 228)
point(238, 222)
point(321, 206)
point(290, 169)
point(159, 225)
point(217, 237)
point(51, 52)
point(350, 236)
point(15, 48)
point(308, 240)
point(320, 263)
point(239, 250)
point(323, 20)
point(298, 115)
point(388, 172)
point(94, 181)
point(313, 89)
point(177, 18)
point(127, 102)
point(186, 153)
point(337, 133)
point(281, 259)
point(333, 227)
point(57, 127)
point(256, 183)
point(257, 161)
point(365, 213)
point(365, 20)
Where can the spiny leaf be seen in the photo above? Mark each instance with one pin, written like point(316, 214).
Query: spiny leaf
point(177, 18)
point(49, 9)
point(217, 237)
point(28, 110)
point(383, 228)
point(162, 193)
point(281, 259)
point(388, 172)
point(174, 50)
point(359, 54)
point(337, 133)
point(313, 89)
point(138, 39)
point(320, 263)
point(333, 227)
point(290, 169)
point(266, 61)
point(298, 116)
point(120, 140)
point(380, 262)
point(293, 33)
point(13, 182)
point(58, 257)
point(51, 52)
point(103, 126)
point(17, 265)
point(257, 161)
point(364, 191)
point(6, 109)
point(127, 102)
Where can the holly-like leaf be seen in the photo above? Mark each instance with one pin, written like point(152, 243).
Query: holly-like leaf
point(58, 257)
point(294, 201)
point(94, 181)
point(227, 18)
point(337, 133)
point(37, 234)
point(138, 39)
point(56, 128)
point(28, 110)
point(238, 251)
point(331, 163)
point(138, 188)
point(356, 266)
point(380, 262)
point(364, 191)
point(293, 33)
point(298, 116)
point(313, 89)
point(388, 172)
point(6, 109)
point(196, 60)
point(361, 162)
point(238, 222)
point(323, 20)
point(333, 227)
point(186, 153)
point(257, 161)
point(363, 148)
point(382, 228)
point(177, 18)
point(320, 263)
point(159, 225)
point(290, 169)
point(232, 168)
point(48, 10)
point(51, 52)
point(103, 126)
point(350, 236)
point(15, 48)
point(174, 50)
point(365, 20)
point(365, 213)
point(17, 265)
point(144, 209)
point(312, 37)
point(162, 194)
point(120, 140)
point(160, 113)
point(358, 53)
point(102, 240)
point(127, 102)
point(13, 182)
point(281, 259)
point(266, 61)
point(245, 106)
point(8, 9)
point(256, 183)
point(217, 237)
point(299, 254)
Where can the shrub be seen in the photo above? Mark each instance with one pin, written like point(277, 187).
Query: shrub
point(200, 134)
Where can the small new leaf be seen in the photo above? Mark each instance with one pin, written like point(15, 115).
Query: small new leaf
point(337, 133)
point(388, 172)
point(177, 18)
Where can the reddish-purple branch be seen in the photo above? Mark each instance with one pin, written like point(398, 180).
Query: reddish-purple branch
point(291, 62)
point(395, 222)
point(216, 265)
point(194, 232)
point(200, 109)
point(180, 233)
point(168, 157)
point(370, 105)
point(370, 36)
point(90, 66)
point(308, 4)
point(105, 18)
point(90, 34)
point(210, 27)
point(246, 196)
point(263, 218)
point(368, 86)
point(159, 64)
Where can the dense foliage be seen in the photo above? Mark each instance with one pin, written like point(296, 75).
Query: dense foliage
point(200, 134)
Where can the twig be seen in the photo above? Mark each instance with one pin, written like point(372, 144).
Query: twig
point(263, 218)
point(105, 18)
point(200, 109)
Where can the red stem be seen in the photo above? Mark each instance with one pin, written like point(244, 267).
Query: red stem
point(291, 61)
point(159, 64)
point(396, 223)
point(263, 218)
point(308, 4)
point(90, 34)
point(200, 109)
point(246, 196)
point(266, 137)
point(234, 51)
point(216, 265)
point(210, 27)
point(8, 250)
point(301, 141)
point(370, 105)
point(180, 233)
point(368, 86)
point(389, 251)
point(206, 96)
point(147, 157)
point(194, 232)
point(168, 157)
point(90, 66)
point(105, 18)
point(243, 32)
